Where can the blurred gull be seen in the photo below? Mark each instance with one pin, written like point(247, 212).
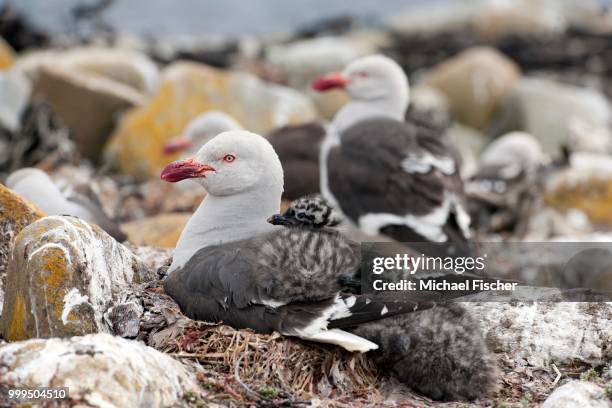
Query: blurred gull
point(296, 145)
point(199, 131)
point(385, 175)
point(36, 186)
point(505, 183)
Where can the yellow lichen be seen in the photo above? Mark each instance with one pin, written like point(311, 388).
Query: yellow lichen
point(16, 330)
point(17, 208)
point(161, 231)
point(54, 263)
point(7, 55)
point(187, 90)
point(593, 197)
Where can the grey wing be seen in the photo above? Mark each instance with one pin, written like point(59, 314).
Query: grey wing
point(403, 173)
point(280, 281)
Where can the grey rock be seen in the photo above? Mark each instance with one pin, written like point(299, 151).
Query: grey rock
point(100, 370)
point(66, 274)
point(578, 394)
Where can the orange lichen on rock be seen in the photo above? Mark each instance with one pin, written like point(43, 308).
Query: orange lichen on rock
point(15, 214)
point(64, 275)
point(187, 90)
point(593, 197)
point(54, 278)
point(7, 55)
point(162, 231)
point(16, 330)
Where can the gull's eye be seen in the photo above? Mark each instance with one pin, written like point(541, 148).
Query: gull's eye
point(361, 74)
point(229, 158)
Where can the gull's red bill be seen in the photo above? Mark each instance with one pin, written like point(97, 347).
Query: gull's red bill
point(176, 144)
point(330, 81)
point(184, 169)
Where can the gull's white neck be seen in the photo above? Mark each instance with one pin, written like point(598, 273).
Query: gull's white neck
point(225, 219)
point(392, 106)
point(359, 110)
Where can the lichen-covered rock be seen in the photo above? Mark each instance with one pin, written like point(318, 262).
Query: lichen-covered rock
point(543, 333)
point(15, 214)
point(476, 82)
point(189, 89)
point(585, 185)
point(578, 394)
point(156, 197)
point(161, 230)
point(41, 140)
point(14, 97)
point(99, 370)
point(7, 55)
point(88, 104)
point(558, 115)
point(65, 275)
point(155, 258)
point(468, 143)
point(541, 17)
point(129, 68)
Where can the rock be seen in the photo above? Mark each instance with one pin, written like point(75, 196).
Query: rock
point(530, 331)
point(18, 31)
point(162, 230)
point(189, 89)
point(430, 102)
point(468, 143)
point(301, 62)
point(14, 96)
point(15, 214)
point(87, 104)
point(431, 18)
point(66, 274)
point(156, 197)
point(558, 115)
point(578, 394)
point(476, 82)
point(42, 140)
point(547, 223)
point(537, 17)
point(99, 370)
point(7, 55)
point(585, 185)
point(493, 19)
point(156, 259)
point(130, 68)
point(125, 68)
point(90, 87)
point(588, 15)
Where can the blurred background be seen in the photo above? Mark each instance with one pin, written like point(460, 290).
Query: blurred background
point(91, 92)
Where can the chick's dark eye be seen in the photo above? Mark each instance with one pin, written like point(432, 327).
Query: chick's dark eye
point(229, 158)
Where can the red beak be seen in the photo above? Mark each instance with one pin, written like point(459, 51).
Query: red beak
point(184, 169)
point(330, 81)
point(176, 144)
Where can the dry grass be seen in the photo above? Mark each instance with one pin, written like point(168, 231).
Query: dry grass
point(247, 367)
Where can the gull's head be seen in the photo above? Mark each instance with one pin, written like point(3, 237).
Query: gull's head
point(519, 149)
point(200, 130)
point(29, 173)
point(370, 78)
point(231, 163)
